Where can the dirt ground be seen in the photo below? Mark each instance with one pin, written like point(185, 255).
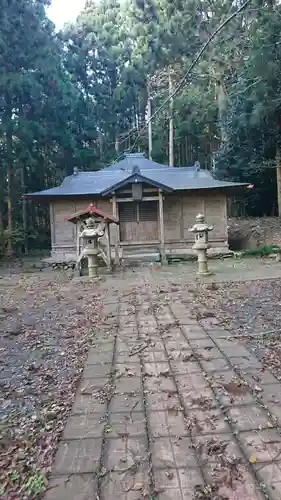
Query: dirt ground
point(49, 321)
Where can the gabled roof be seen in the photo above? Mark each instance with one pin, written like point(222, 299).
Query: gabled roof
point(136, 178)
point(134, 166)
point(91, 210)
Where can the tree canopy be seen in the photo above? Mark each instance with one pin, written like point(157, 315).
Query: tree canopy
point(79, 97)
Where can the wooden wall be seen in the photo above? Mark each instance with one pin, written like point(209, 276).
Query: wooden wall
point(179, 215)
point(63, 233)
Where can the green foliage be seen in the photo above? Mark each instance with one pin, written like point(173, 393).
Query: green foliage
point(263, 251)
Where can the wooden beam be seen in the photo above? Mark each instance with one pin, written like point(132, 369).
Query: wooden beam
point(146, 198)
point(107, 235)
point(161, 227)
point(117, 229)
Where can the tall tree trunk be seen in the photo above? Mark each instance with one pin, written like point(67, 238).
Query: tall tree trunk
point(278, 179)
point(149, 114)
point(24, 211)
point(117, 143)
point(171, 123)
point(101, 144)
point(222, 107)
point(9, 143)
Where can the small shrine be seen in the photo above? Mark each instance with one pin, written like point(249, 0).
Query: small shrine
point(93, 238)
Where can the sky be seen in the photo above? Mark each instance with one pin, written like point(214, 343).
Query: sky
point(63, 11)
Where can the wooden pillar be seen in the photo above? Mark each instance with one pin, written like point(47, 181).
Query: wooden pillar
point(161, 228)
point(107, 234)
point(117, 243)
point(78, 249)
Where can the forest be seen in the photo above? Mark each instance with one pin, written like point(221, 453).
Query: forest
point(82, 96)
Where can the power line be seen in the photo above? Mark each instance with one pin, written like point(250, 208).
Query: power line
point(193, 64)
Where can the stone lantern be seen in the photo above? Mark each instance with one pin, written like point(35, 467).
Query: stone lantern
point(201, 245)
point(92, 232)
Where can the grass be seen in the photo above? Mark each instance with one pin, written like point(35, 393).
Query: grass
point(261, 251)
point(35, 485)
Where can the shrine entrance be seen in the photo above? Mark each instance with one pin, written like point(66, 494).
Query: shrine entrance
point(138, 221)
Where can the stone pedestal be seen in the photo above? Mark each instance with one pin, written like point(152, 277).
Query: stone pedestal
point(92, 256)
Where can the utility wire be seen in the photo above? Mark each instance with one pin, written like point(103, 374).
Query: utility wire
point(193, 64)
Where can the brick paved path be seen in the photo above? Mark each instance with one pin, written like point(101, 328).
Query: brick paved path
point(169, 407)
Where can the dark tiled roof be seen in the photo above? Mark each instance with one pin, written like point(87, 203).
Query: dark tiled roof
point(102, 182)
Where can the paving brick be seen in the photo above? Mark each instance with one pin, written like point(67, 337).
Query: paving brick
point(211, 448)
point(128, 384)
point(174, 494)
point(87, 404)
point(156, 369)
point(185, 367)
point(157, 401)
point(125, 357)
point(241, 487)
point(215, 365)
point(185, 480)
point(258, 376)
point(125, 402)
point(155, 346)
point(245, 362)
point(207, 422)
point(271, 393)
point(208, 353)
point(201, 343)
point(157, 384)
point(124, 424)
point(173, 345)
point(96, 371)
point(122, 453)
point(78, 456)
point(194, 332)
point(230, 390)
point(128, 370)
point(264, 445)
point(172, 452)
point(90, 386)
point(84, 426)
point(174, 334)
point(167, 423)
point(223, 343)
point(126, 486)
point(203, 398)
point(246, 418)
point(104, 347)
point(220, 333)
point(96, 358)
point(270, 475)
point(66, 487)
point(154, 357)
point(236, 351)
point(191, 383)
